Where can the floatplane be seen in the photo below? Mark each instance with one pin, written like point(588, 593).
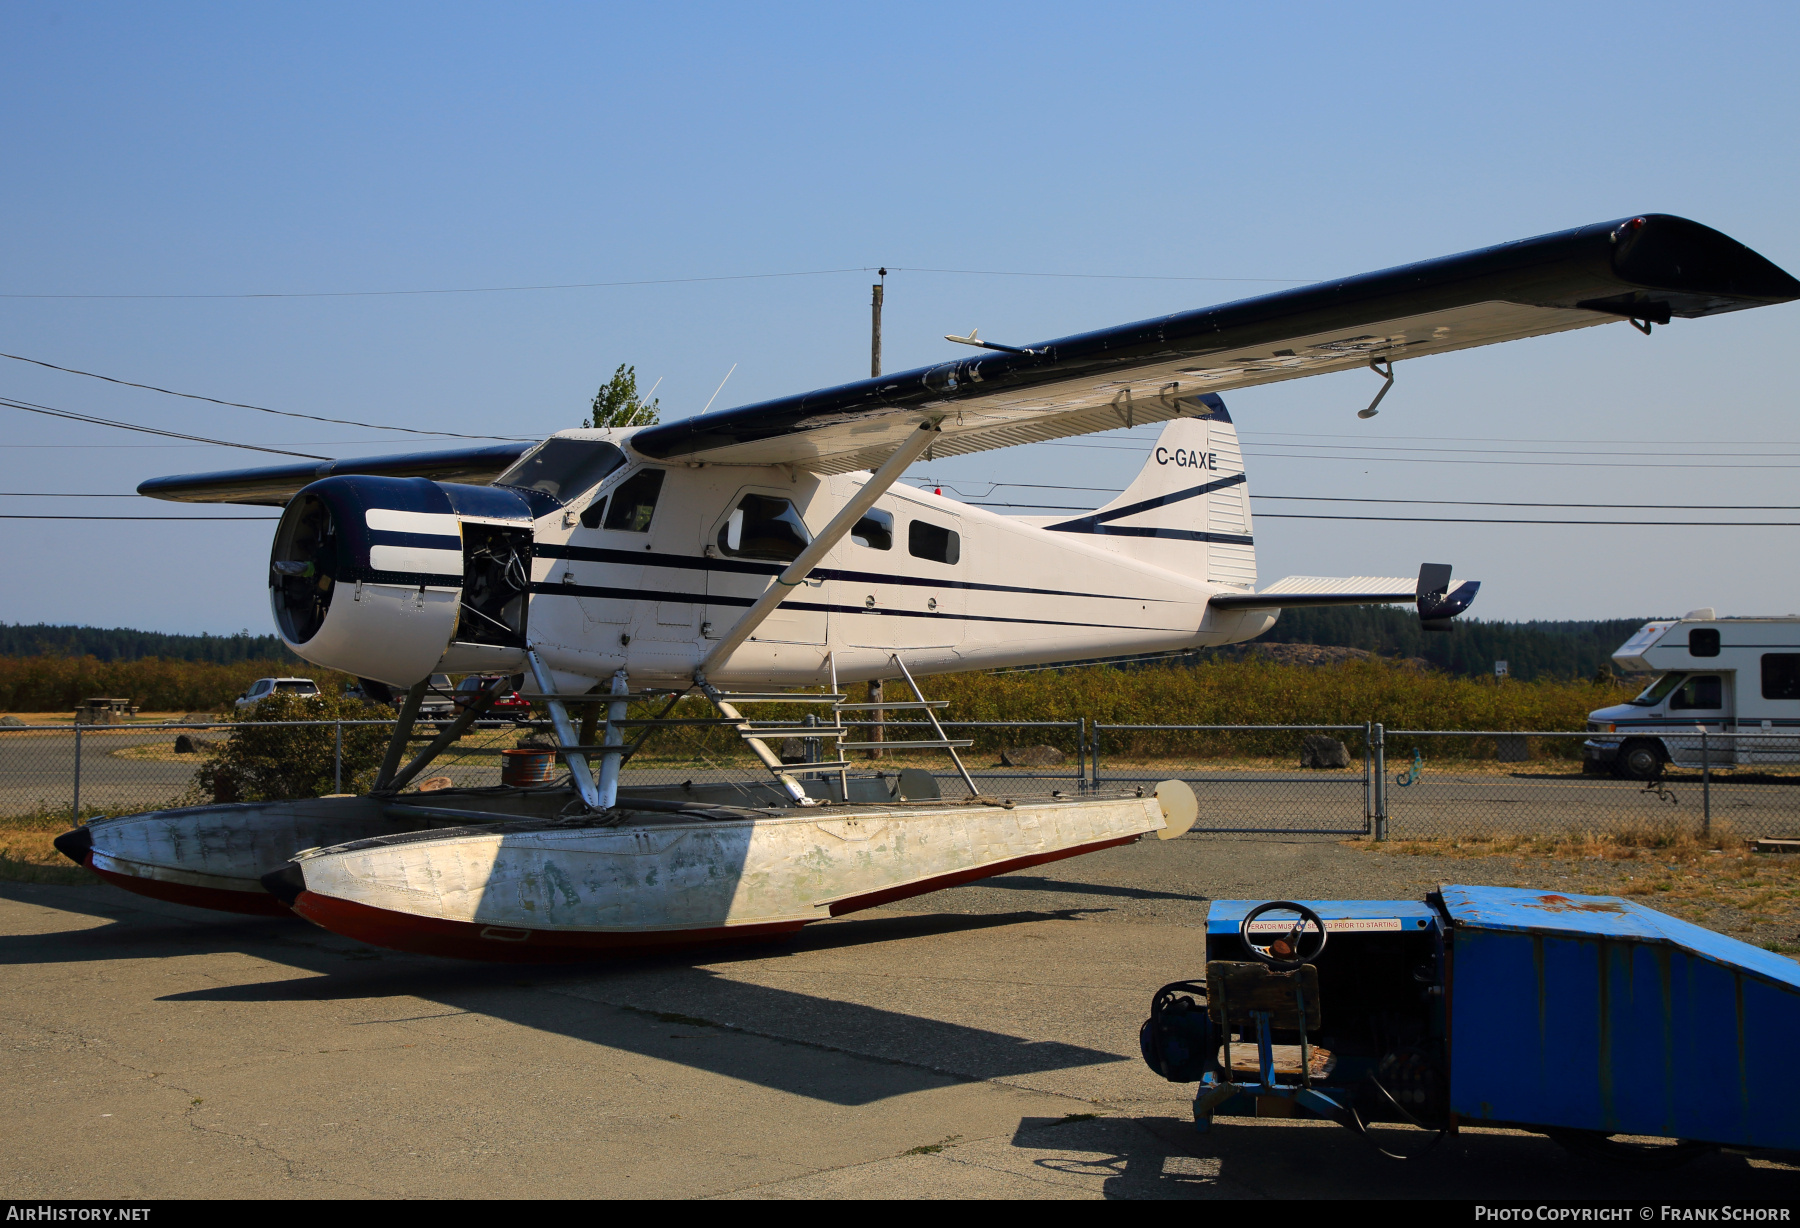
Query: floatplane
point(750, 554)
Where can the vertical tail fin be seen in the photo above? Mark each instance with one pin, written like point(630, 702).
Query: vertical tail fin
point(1189, 508)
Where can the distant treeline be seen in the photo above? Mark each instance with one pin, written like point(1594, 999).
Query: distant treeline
point(155, 684)
point(124, 644)
point(1537, 649)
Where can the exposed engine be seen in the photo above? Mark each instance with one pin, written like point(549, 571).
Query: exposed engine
point(392, 578)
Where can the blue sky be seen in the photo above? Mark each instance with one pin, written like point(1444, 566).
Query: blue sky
point(237, 149)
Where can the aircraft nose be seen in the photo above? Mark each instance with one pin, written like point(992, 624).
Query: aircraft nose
point(75, 844)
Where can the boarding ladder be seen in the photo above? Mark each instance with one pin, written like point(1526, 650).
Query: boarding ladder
point(756, 733)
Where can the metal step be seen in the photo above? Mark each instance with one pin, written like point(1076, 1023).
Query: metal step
point(817, 767)
point(950, 743)
point(928, 703)
point(782, 697)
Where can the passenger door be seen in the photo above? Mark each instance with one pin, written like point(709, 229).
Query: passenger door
point(758, 536)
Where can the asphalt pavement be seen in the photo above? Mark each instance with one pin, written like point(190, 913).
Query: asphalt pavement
point(980, 1043)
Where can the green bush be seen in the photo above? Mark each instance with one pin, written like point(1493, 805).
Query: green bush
point(260, 762)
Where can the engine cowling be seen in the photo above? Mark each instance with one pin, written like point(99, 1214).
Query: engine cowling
point(393, 578)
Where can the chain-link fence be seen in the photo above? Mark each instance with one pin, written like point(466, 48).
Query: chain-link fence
point(1321, 779)
point(1326, 779)
point(1457, 784)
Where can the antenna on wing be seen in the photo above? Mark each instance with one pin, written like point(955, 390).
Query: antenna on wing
point(719, 389)
point(979, 344)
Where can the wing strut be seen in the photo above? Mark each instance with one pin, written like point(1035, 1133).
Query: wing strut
point(841, 524)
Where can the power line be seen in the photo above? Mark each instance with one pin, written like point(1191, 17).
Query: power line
point(1652, 507)
point(60, 494)
point(70, 415)
point(664, 281)
point(20, 516)
point(1648, 507)
point(1642, 524)
point(284, 413)
point(1434, 460)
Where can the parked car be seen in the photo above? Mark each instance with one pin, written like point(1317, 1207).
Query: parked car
point(438, 706)
point(262, 688)
point(508, 703)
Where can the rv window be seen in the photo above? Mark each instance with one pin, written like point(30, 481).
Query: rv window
point(1781, 675)
point(1702, 692)
point(635, 501)
point(563, 468)
point(927, 541)
point(875, 530)
point(1657, 689)
point(1703, 642)
point(764, 527)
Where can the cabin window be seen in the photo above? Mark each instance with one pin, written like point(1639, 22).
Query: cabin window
point(1702, 692)
point(928, 541)
point(764, 527)
point(634, 502)
point(875, 530)
point(1781, 675)
point(563, 468)
point(1703, 642)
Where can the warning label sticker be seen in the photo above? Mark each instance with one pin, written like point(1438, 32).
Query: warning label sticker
point(1333, 925)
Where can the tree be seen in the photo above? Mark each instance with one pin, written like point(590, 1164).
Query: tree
point(618, 404)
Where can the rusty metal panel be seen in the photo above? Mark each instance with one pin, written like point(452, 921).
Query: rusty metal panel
point(1599, 1014)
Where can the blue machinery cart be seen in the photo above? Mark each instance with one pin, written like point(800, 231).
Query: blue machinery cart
point(1581, 1017)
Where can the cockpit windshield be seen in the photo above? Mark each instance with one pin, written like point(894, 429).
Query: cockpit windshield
point(563, 468)
point(1657, 690)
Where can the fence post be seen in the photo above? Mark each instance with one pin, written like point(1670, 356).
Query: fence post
point(1380, 753)
point(1094, 756)
point(337, 759)
point(1081, 755)
point(75, 809)
point(1368, 776)
point(1705, 786)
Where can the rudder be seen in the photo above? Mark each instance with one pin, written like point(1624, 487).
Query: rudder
point(1188, 510)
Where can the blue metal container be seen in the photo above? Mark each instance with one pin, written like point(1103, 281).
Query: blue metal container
point(1596, 1013)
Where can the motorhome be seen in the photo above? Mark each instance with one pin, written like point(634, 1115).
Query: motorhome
point(1737, 680)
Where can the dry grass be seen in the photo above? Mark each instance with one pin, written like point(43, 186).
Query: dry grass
point(27, 856)
point(1717, 881)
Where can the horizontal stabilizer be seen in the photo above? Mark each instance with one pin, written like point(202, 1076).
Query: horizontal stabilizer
point(1437, 602)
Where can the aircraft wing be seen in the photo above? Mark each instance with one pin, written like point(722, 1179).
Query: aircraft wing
point(274, 485)
point(1649, 269)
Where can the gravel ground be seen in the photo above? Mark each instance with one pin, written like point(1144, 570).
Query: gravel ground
point(1755, 898)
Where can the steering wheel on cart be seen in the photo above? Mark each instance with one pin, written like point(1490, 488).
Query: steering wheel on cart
point(1282, 954)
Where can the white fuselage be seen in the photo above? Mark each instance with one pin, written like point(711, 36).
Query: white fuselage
point(651, 602)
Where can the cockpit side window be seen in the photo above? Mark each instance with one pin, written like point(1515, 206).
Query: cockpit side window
point(764, 527)
point(563, 468)
point(634, 502)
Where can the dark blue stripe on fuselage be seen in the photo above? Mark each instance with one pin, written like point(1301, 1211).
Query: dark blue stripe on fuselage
point(685, 562)
point(1179, 535)
point(649, 594)
point(1089, 524)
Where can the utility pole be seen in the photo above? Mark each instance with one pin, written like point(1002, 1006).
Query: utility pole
point(877, 293)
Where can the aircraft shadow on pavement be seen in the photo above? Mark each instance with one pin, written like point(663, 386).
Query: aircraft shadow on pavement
point(1020, 882)
point(663, 1007)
